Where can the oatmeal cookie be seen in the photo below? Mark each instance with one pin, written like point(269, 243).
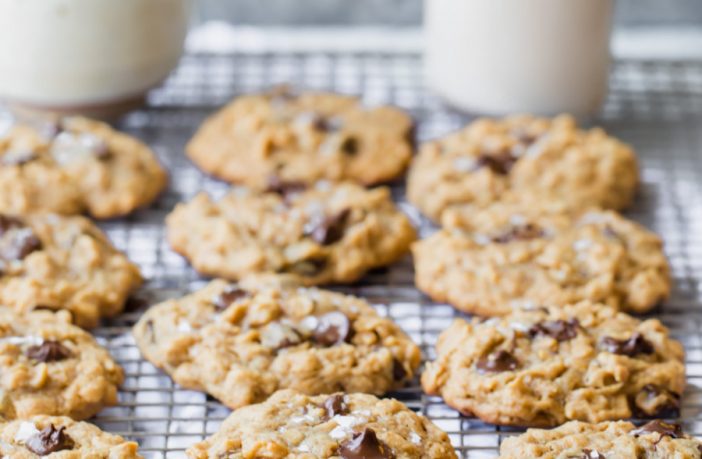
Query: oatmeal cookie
point(654, 440)
point(488, 260)
point(323, 234)
point(346, 426)
point(76, 166)
point(51, 367)
point(543, 367)
point(302, 138)
point(242, 342)
point(537, 159)
point(63, 262)
point(56, 437)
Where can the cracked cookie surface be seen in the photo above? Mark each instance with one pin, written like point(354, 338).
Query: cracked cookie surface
point(51, 367)
point(535, 159)
point(63, 262)
point(77, 166)
point(339, 426)
point(654, 440)
point(302, 138)
point(242, 342)
point(322, 234)
point(56, 437)
point(489, 260)
point(543, 367)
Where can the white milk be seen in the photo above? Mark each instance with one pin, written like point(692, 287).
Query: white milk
point(69, 53)
point(505, 56)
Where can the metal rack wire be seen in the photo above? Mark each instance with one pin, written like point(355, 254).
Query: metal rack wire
point(656, 106)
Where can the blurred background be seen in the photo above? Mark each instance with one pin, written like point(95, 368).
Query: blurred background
point(634, 13)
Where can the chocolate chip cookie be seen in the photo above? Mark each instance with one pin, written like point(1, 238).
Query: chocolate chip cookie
point(345, 426)
point(51, 367)
point(76, 166)
point(654, 440)
point(302, 138)
point(61, 438)
point(63, 262)
point(543, 367)
point(322, 234)
point(488, 260)
point(536, 159)
point(242, 342)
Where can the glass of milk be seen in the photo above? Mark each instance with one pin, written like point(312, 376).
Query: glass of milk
point(87, 56)
point(506, 56)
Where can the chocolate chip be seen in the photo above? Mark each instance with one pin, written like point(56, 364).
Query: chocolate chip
point(500, 163)
point(349, 146)
point(7, 223)
point(592, 454)
point(637, 344)
point(278, 336)
point(333, 328)
point(496, 362)
point(398, 370)
point(656, 402)
point(48, 351)
point(560, 330)
point(336, 405)
point(365, 445)
point(150, 330)
point(101, 150)
point(286, 189)
point(321, 123)
point(135, 303)
point(228, 296)
point(330, 229)
point(17, 157)
point(49, 440)
point(519, 233)
point(660, 427)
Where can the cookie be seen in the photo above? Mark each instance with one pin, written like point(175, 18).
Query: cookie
point(302, 138)
point(488, 260)
point(543, 367)
point(76, 166)
point(656, 439)
point(63, 262)
point(242, 342)
point(536, 159)
point(51, 367)
point(322, 234)
point(345, 426)
point(56, 437)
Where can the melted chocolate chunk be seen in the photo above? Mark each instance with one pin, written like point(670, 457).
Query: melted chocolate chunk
point(560, 330)
point(660, 427)
point(365, 445)
point(320, 122)
point(22, 244)
point(286, 189)
point(228, 296)
point(49, 440)
point(336, 405)
point(592, 454)
point(333, 328)
point(48, 351)
point(17, 157)
point(7, 223)
point(656, 402)
point(519, 233)
point(500, 163)
point(398, 370)
point(496, 362)
point(330, 229)
point(349, 146)
point(150, 330)
point(278, 336)
point(637, 344)
point(135, 303)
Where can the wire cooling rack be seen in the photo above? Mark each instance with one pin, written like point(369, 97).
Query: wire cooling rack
point(656, 106)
